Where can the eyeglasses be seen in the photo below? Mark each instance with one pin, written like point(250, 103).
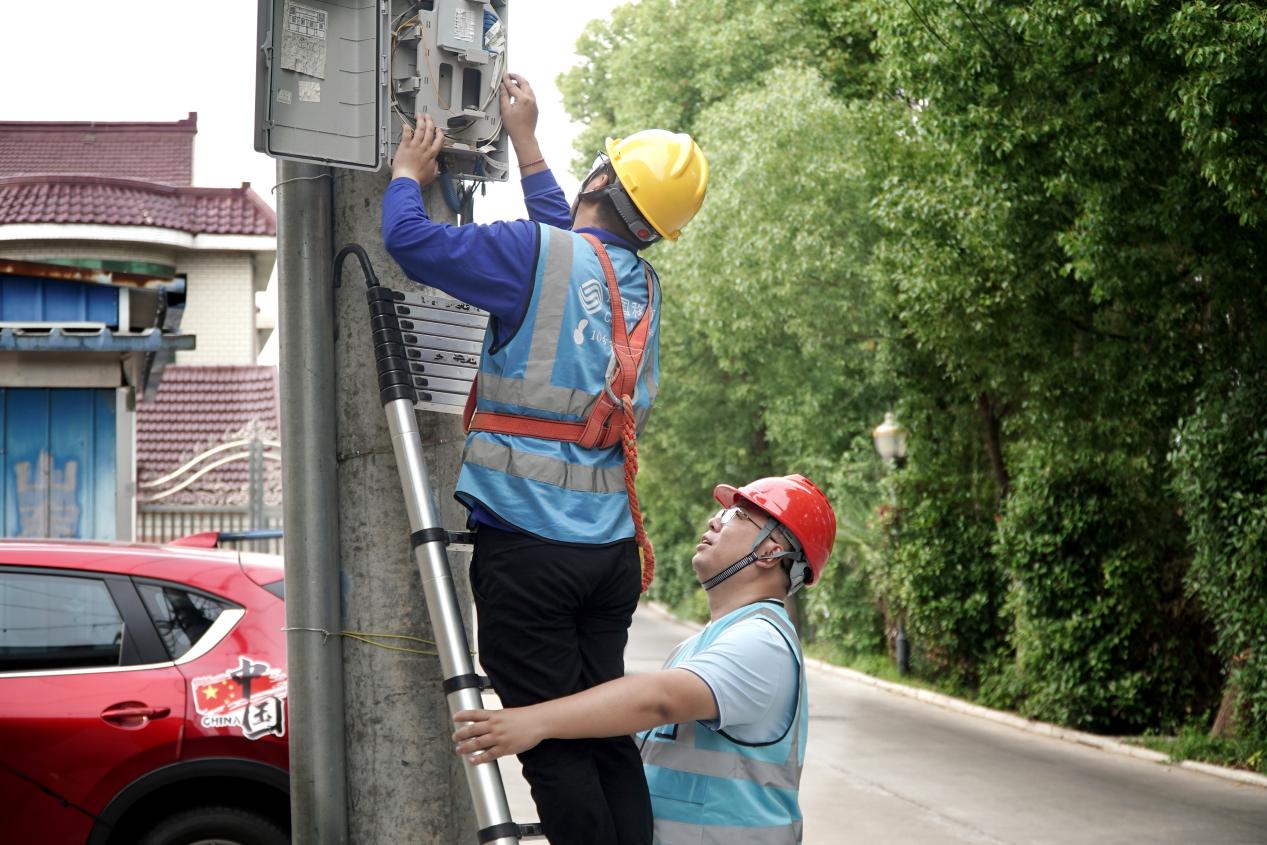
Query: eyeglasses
point(600, 165)
point(600, 160)
point(727, 514)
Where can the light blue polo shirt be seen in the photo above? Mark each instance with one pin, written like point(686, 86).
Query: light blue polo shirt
point(752, 673)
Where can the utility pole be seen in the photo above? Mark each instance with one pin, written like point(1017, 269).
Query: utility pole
point(314, 662)
point(370, 750)
point(404, 783)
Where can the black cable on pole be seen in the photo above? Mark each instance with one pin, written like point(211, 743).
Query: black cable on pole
point(371, 279)
point(394, 379)
point(466, 199)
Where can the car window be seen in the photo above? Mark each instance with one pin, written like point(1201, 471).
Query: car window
point(57, 622)
point(182, 617)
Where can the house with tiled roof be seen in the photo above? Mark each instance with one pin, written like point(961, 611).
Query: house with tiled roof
point(120, 196)
point(116, 201)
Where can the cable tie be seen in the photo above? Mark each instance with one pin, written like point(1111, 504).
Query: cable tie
point(273, 190)
point(368, 638)
point(325, 635)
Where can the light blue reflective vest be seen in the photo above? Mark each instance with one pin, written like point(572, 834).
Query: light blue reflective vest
point(709, 789)
point(555, 368)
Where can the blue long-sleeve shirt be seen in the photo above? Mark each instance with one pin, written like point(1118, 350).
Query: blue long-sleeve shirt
point(491, 266)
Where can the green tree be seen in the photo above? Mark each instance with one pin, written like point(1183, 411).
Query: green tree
point(1217, 99)
point(660, 63)
point(1221, 478)
point(769, 351)
point(1036, 230)
point(1058, 268)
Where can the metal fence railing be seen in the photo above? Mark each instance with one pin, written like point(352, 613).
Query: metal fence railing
point(164, 523)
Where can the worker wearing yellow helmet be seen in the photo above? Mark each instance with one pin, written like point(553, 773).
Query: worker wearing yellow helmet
point(567, 377)
point(654, 182)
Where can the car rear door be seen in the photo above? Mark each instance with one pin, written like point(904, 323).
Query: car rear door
point(89, 700)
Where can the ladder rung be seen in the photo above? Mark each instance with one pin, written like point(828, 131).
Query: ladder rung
point(449, 538)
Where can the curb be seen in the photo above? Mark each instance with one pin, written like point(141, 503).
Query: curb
point(1033, 726)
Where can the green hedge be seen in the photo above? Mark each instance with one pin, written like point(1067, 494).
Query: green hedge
point(1221, 479)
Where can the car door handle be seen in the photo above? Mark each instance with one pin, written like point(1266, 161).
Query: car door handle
point(133, 714)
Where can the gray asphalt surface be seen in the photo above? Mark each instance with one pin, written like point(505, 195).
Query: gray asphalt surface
point(882, 768)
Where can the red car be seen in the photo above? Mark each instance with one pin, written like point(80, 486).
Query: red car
point(142, 695)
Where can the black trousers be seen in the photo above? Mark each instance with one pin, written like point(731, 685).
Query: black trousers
point(554, 620)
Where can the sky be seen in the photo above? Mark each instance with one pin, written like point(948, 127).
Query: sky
point(159, 60)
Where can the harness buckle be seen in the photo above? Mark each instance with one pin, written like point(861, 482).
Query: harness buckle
point(612, 365)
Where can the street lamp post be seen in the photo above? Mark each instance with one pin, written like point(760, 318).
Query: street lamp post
point(890, 443)
point(890, 440)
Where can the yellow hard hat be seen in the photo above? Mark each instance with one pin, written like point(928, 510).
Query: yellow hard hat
point(664, 173)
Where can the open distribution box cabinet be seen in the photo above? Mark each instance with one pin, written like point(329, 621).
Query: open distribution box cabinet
point(335, 80)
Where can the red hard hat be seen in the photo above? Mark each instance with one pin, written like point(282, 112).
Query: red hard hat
point(798, 506)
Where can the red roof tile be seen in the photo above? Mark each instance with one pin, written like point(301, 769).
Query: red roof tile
point(125, 202)
point(200, 408)
point(153, 152)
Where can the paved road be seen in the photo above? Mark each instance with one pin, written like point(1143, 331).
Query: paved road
point(882, 768)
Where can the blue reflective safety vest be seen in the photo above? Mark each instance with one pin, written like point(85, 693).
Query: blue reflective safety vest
point(555, 368)
point(710, 789)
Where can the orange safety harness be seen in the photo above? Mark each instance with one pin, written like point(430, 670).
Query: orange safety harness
point(611, 418)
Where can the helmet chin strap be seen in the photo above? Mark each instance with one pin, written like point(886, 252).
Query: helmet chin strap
point(580, 195)
point(615, 192)
point(796, 576)
point(750, 558)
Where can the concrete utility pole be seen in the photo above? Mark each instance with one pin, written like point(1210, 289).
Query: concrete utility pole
point(404, 783)
point(370, 751)
point(306, 366)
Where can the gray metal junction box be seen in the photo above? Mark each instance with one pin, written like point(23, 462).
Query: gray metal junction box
point(336, 78)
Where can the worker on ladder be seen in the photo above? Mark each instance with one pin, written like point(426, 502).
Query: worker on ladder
point(567, 376)
point(724, 724)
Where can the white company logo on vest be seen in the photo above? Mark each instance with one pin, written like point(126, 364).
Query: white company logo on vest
point(591, 294)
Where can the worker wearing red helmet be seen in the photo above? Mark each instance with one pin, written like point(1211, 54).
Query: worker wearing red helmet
point(722, 727)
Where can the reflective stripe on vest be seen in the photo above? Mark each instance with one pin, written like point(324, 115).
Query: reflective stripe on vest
point(566, 402)
point(554, 369)
point(537, 401)
point(504, 458)
point(677, 833)
point(748, 792)
point(681, 755)
point(534, 388)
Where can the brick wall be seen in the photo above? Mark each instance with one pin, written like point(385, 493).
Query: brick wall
point(219, 308)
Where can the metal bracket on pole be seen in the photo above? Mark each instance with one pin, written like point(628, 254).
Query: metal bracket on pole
point(461, 685)
point(443, 339)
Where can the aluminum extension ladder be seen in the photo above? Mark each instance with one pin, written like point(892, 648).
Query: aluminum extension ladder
point(462, 686)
